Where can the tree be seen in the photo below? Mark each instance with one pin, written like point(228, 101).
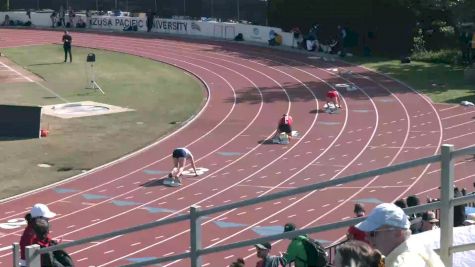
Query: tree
point(4, 5)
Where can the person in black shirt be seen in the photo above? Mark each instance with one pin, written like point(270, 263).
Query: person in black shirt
point(150, 17)
point(67, 40)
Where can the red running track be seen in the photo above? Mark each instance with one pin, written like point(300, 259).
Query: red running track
point(383, 122)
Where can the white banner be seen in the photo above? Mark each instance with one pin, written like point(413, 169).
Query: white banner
point(221, 30)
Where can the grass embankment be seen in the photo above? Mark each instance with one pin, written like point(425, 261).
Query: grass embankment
point(443, 83)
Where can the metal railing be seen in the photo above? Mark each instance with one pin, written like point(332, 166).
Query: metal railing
point(446, 206)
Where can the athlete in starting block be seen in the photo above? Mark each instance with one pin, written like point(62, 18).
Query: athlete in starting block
point(333, 100)
point(284, 129)
point(180, 155)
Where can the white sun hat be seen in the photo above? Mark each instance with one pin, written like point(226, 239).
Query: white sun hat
point(41, 210)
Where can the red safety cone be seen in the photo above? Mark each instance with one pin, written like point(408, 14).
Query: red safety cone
point(44, 133)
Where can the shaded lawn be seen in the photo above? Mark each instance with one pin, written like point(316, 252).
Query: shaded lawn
point(441, 82)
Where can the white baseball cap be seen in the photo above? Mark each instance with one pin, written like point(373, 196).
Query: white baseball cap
point(41, 210)
point(385, 214)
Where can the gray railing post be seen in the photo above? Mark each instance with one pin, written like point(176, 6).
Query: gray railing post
point(16, 254)
point(195, 236)
point(446, 208)
point(33, 257)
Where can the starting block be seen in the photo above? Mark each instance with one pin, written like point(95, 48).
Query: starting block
point(295, 134)
point(281, 139)
point(167, 181)
point(330, 108)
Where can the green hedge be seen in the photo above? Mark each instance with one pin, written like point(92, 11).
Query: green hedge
point(446, 56)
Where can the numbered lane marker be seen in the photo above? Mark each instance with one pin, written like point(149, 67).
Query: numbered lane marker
point(13, 224)
point(199, 171)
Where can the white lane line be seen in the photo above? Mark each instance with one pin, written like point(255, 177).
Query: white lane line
point(456, 137)
point(458, 125)
point(166, 157)
point(444, 109)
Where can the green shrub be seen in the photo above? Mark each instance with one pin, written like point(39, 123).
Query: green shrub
point(446, 56)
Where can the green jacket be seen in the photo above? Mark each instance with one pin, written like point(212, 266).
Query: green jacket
point(296, 252)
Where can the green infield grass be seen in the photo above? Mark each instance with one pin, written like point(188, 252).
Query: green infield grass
point(158, 93)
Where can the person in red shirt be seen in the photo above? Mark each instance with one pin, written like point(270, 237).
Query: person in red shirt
point(333, 97)
point(285, 126)
point(29, 237)
point(354, 233)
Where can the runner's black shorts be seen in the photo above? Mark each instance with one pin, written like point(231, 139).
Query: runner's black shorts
point(285, 128)
point(179, 153)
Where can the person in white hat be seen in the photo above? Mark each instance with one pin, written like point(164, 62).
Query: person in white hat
point(41, 210)
point(388, 229)
point(28, 237)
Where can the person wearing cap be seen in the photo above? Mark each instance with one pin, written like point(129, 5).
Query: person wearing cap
point(266, 260)
point(284, 126)
point(296, 250)
point(388, 230)
point(428, 222)
point(38, 211)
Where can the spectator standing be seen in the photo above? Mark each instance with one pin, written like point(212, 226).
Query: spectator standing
point(54, 18)
point(459, 211)
point(29, 237)
point(71, 18)
point(28, 14)
point(359, 210)
point(266, 260)
point(296, 250)
point(297, 37)
point(88, 17)
point(354, 233)
point(238, 263)
point(387, 228)
point(415, 218)
point(401, 203)
point(6, 22)
point(342, 36)
point(429, 222)
point(61, 15)
point(150, 17)
point(41, 228)
point(357, 254)
point(67, 42)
